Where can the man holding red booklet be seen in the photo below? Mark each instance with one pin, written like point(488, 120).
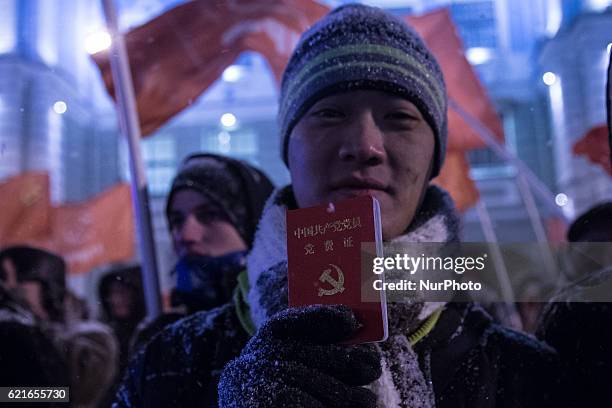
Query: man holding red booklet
point(362, 112)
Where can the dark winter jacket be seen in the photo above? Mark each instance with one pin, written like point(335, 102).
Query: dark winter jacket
point(467, 359)
point(28, 355)
point(580, 331)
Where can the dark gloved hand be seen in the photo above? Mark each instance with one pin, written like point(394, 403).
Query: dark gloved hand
point(295, 360)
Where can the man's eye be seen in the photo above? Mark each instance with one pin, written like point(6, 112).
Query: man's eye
point(401, 115)
point(327, 113)
point(208, 215)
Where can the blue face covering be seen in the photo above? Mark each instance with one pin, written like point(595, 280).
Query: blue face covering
point(205, 282)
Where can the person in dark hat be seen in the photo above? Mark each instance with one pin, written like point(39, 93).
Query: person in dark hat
point(39, 277)
point(363, 111)
point(123, 305)
point(212, 210)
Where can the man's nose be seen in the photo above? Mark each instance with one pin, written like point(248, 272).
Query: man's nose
point(191, 230)
point(363, 141)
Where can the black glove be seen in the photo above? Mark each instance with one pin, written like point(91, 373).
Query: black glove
point(295, 360)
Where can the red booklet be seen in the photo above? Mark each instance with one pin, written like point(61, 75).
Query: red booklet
point(326, 259)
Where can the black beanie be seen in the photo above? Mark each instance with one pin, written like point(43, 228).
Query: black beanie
point(36, 264)
point(238, 189)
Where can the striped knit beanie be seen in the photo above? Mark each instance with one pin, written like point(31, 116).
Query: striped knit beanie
point(361, 47)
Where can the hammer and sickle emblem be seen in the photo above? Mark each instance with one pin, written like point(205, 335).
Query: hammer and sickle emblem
point(337, 285)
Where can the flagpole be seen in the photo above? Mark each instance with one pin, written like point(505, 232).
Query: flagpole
point(609, 102)
point(130, 127)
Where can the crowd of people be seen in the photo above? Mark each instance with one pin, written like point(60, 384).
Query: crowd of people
point(51, 336)
point(362, 111)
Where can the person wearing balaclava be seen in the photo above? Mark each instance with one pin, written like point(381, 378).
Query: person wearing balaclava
point(362, 111)
point(212, 210)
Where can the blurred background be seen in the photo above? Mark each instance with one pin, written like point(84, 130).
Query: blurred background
point(542, 63)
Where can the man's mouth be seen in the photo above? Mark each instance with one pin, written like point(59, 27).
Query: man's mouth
point(356, 187)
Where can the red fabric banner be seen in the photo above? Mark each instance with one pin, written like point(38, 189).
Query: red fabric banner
point(464, 87)
point(176, 56)
point(95, 232)
point(26, 207)
point(595, 148)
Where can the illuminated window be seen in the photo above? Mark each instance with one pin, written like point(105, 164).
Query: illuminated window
point(8, 26)
point(476, 23)
point(159, 154)
point(241, 143)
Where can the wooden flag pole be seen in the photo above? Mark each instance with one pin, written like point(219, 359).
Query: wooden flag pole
point(129, 125)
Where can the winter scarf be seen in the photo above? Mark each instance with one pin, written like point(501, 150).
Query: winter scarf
point(406, 380)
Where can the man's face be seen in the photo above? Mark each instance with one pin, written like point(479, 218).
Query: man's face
point(197, 227)
point(363, 143)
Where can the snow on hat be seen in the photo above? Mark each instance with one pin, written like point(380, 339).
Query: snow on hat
point(362, 47)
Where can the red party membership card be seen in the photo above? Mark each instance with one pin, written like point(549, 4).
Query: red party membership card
point(326, 261)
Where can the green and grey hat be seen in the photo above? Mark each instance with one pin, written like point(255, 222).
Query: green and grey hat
point(361, 47)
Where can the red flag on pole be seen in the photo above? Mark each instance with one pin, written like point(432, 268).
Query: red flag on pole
point(595, 147)
point(92, 233)
point(26, 207)
point(175, 57)
point(96, 232)
point(464, 87)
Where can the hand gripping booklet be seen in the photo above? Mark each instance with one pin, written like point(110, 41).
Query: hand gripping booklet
point(325, 261)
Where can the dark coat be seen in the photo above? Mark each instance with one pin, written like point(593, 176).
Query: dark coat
point(474, 363)
point(580, 331)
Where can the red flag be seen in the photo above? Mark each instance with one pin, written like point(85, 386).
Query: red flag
point(178, 55)
point(26, 207)
point(464, 87)
point(595, 147)
point(92, 233)
point(556, 229)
